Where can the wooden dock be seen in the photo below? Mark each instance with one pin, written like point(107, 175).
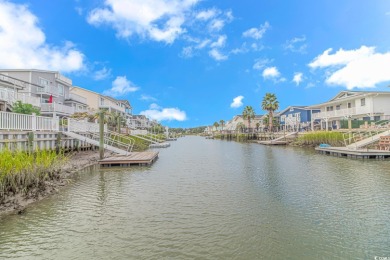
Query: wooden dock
point(354, 154)
point(135, 158)
point(272, 142)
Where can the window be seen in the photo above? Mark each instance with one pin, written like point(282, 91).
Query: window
point(60, 89)
point(329, 108)
point(43, 82)
point(349, 105)
point(338, 107)
point(363, 102)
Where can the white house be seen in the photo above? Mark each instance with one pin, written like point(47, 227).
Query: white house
point(349, 105)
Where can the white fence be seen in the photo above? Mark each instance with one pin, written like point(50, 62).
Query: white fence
point(57, 108)
point(14, 121)
point(83, 126)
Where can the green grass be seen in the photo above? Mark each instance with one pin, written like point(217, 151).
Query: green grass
point(21, 171)
point(321, 137)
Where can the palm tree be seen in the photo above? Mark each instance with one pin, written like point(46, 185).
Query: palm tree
point(216, 125)
point(248, 114)
point(257, 126)
point(270, 104)
point(222, 123)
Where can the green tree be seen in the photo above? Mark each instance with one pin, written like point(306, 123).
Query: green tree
point(257, 126)
point(23, 108)
point(222, 123)
point(270, 103)
point(248, 114)
point(216, 125)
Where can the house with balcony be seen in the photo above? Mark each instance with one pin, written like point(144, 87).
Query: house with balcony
point(48, 90)
point(353, 105)
point(297, 118)
point(140, 122)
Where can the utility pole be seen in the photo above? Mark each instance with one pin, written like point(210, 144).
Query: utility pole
point(101, 134)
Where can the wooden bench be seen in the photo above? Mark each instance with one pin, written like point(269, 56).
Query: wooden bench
point(384, 143)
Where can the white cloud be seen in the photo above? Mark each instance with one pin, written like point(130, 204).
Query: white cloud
point(261, 63)
point(102, 74)
point(187, 52)
point(217, 55)
point(121, 86)
point(154, 106)
point(237, 102)
point(271, 73)
point(220, 42)
point(216, 25)
point(147, 98)
point(296, 45)
point(298, 78)
point(207, 14)
point(155, 112)
point(359, 68)
point(159, 20)
point(23, 43)
point(257, 33)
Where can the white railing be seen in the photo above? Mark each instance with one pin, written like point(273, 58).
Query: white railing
point(83, 126)
point(57, 108)
point(139, 132)
point(335, 113)
point(80, 110)
point(14, 121)
point(48, 90)
point(12, 81)
point(7, 95)
point(77, 98)
point(109, 104)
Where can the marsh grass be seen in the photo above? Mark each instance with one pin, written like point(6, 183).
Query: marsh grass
point(21, 171)
point(321, 137)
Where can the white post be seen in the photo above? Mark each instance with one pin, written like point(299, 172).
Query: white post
point(34, 122)
point(56, 121)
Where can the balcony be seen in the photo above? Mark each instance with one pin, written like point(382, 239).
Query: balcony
point(11, 97)
point(56, 108)
point(77, 98)
point(48, 90)
point(111, 105)
point(336, 113)
point(13, 81)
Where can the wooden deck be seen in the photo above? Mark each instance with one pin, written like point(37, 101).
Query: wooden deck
point(354, 154)
point(135, 158)
point(272, 142)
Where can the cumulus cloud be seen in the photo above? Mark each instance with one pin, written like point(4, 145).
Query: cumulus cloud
point(121, 86)
point(102, 74)
point(217, 55)
point(158, 113)
point(298, 78)
point(206, 14)
point(297, 44)
point(359, 68)
point(271, 72)
point(159, 20)
point(220, 42)
point(257, 33)
point(23, 43)
point(237, 102)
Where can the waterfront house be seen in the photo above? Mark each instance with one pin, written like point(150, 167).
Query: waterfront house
point(47, 90)
point(297, 118)
point(140, 122)
point(348, 107)
point(237, 120)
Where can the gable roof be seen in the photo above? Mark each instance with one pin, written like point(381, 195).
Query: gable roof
point(289, 107)
point(349, 95)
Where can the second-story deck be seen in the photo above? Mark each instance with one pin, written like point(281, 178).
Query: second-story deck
point(340, 113)
point(57, 108)
point(76, 98)
point(48, 91)
point(111, 106)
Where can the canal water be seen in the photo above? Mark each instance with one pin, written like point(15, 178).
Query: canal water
point(211, 199)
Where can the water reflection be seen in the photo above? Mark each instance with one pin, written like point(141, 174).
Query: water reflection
point(210, 199)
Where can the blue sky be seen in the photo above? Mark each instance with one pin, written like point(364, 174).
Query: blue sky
point(191, 62)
